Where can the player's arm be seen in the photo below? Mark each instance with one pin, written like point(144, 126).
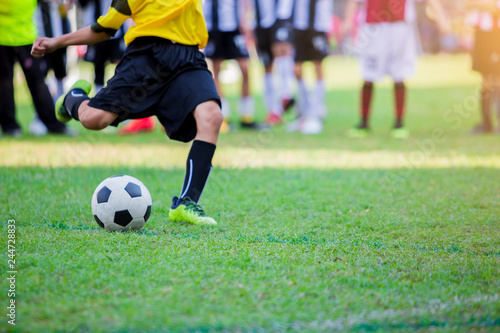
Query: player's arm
point(441, 17)
point(350, 12)
point(44, 45)
point(244, 27)
point(105, 27)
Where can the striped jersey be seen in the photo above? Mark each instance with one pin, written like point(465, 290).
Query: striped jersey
point(221, 15)
point(381, 11)
point(268, 11)
point(181, 21)
point(312, 15)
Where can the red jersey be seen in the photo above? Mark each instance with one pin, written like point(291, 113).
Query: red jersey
point(381, 11)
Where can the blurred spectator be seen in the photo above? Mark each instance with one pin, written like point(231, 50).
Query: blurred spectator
point(311, 22)
point(18, 33)
point(388, 46)
point(52, 20)
point(485, 16)
point(227, 29)
point(273, 35)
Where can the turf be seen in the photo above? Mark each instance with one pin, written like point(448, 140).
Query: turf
point(316, 233)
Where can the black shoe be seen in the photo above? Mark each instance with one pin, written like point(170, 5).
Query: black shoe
point(288, 104)
point(254, 126)
point(13, 133)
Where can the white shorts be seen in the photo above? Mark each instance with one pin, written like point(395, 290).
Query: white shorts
point(387, 49)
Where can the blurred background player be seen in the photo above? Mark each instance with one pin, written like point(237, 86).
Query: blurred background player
point(226, 28)
point(389, 47)
point(273, 34)
point(18, 31)
point(311, 22)
point(485, 16)
point(52, 20)
point(109, 52)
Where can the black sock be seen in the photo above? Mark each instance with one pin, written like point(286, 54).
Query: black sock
point(198, 167)
point(73, 100)
point(398, 123)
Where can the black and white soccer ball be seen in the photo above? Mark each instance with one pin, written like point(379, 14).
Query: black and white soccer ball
point(121, 203)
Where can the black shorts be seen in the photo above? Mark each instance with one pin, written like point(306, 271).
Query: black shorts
point(281, 31)
point(226, 45)
point(310, 45)
point(161, 78)
point(486, 52)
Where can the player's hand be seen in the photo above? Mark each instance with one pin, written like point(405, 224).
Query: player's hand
point(43, 45)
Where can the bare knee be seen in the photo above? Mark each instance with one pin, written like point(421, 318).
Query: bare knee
point(95, 119)
point(208, 116)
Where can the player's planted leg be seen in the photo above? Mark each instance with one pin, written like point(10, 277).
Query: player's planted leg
point(363, 129)
point(399, 131)
point(198, 167)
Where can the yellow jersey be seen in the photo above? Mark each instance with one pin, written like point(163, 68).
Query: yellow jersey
point(180, 21)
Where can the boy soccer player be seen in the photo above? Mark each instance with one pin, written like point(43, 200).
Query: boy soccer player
point(162, 73)
point(273, 34)
point(485, 15)
point(226, 42)
point(388, 48)
point(311, 19)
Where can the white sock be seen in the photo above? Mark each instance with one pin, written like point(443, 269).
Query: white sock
point(318, 105)
point(271, 101)
point(284, 66)
point(303, 99)
point(247, 106)
point(226, 109)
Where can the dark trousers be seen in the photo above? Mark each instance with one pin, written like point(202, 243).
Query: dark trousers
point(40, 94)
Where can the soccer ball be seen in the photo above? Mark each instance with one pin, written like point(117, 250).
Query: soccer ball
point(121, 203)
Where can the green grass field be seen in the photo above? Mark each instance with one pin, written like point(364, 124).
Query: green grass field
point(316, 233)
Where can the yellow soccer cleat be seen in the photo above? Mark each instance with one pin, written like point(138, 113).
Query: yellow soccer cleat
point(186, 210)
point(400, 133)
point(82, 87)
point(359, 132)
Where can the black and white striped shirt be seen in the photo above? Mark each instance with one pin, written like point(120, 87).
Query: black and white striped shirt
point(222, 15)
point(312, 14)
point(268, 11)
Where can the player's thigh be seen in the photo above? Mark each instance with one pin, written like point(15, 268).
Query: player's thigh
point(184, 94)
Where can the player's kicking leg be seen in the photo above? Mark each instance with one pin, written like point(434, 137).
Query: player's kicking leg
point(198, 167)
point(74, 105)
